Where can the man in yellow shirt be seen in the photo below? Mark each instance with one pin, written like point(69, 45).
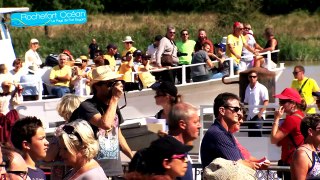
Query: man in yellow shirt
point(111, 51)
point(305, 86)
point(235, 43)
point(60, 76)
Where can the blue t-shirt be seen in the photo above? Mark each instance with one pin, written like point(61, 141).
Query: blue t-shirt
point(36, 174)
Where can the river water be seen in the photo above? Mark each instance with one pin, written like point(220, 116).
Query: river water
point(312, 70)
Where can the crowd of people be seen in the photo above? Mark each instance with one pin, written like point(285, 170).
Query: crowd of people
point(90, 140)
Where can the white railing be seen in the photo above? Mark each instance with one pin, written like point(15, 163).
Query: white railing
point(183, 67)
point(231, 71)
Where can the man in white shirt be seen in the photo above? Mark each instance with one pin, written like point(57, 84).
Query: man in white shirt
point(152, 48)
point(256, 94)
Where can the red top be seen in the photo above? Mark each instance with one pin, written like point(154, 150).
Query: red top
point(291, 125)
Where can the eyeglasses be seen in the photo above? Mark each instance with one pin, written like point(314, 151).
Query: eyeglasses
point(235, 109)
point(171, 32)
point(71, 131)
point(179, 156)
point(252, 76)
point(284, 101)
point(22, 174)
point(295, 72)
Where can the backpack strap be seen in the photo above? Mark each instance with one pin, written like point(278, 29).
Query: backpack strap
point(300, 90)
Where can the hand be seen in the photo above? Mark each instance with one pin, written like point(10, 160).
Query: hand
point(117, 89)
point(278, 113)
point(265, 165)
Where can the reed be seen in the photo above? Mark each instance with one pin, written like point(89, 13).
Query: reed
point(297, 32)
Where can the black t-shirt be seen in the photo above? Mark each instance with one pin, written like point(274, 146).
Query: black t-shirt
point(91, 107)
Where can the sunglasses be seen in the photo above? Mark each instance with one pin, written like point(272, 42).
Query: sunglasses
point(295, 72)
point(22, 174)
point(128, 42)
point(246, 28)
point(172, 32)
point(252, 76)
point(179, 156)
point(235, 109)
point(184, 34)
point(71, 131)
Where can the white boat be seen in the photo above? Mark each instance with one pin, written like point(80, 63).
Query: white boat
point(141, 104)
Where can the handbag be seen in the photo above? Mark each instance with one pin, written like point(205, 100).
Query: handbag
point(166, 60)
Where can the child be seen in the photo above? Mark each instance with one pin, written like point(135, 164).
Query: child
point(29, 137)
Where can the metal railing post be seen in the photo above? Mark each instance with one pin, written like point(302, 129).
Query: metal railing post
point(269, 60)
point(183, 80)
point(40, 89)
point(231, 67)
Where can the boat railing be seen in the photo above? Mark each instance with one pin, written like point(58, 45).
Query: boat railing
point(231, 70)
point(82, 83)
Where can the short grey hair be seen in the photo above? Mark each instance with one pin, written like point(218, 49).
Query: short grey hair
point(180, 111)
point(63, 54)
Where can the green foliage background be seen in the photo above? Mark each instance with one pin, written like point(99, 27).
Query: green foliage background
point(295, 23)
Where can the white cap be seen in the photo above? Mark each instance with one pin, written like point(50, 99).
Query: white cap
point(34, 41)
point(128, 39)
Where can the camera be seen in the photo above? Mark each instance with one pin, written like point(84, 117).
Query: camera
point(179, 54)
point(131, 86)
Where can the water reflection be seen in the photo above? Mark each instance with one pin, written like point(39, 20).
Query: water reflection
point(311, 70)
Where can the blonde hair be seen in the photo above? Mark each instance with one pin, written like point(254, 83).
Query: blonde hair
point(68, 103)
point(88, 146)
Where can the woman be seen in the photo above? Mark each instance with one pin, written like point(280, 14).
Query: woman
point(166, 96)
point(247, 62)
point(78, 147)
point(31, 56)
point(65, 108)
point(17, 70)
point(288, 134)
point(306, 161)
point(165, 156)
point(271, 45)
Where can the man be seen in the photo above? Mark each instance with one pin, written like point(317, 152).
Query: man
point(104, 116)
point(112, 49)
point(218, 140)
point(128, 46)
point(167, 51)
point(305, 86)
point(235, 43)
point(202, 38)
point(93, 47)
point(184, 125)
point(185, 46)
point(200, 72)
point(255, 94)
point(29, 137)
point(152, 48)
point(60, 77)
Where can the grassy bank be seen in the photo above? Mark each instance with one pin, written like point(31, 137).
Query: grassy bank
point(297, 33)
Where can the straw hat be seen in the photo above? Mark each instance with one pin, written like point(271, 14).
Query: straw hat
point(103, 73)
point(222, 169)
point(83, 57)
point(78, 61)
point(128, 39)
